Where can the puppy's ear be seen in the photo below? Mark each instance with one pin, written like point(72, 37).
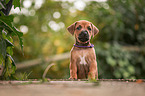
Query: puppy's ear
point(95, 30)
point(71, 28)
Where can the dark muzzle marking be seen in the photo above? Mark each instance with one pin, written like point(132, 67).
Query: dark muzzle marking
point(84, 36)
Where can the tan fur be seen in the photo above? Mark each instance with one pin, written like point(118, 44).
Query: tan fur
point(78, 70)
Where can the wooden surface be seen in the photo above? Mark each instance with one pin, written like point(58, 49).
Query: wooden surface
point(106, 87)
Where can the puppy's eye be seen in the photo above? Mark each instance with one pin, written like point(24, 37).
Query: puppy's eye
point(78, 28)
point(89, 28)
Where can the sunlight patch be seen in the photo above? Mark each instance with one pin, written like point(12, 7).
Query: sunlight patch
point(56, 15)
point(24, 29)
point(27, 3)
point(80, 5)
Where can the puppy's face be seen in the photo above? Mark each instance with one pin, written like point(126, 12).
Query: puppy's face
point(83, 30)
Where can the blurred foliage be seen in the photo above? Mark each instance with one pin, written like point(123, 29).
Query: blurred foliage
point(121, 23)
point(7, 33)
point(22, 76)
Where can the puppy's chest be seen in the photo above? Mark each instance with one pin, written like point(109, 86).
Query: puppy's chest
point(82, 59)
point(83, 56)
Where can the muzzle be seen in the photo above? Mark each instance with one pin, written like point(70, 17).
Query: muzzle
point(84, 36)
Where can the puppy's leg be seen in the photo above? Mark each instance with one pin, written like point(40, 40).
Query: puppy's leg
point(93, 70)
point(73, 71)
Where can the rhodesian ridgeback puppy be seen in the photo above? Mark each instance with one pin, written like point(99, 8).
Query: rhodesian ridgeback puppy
point(83, 63)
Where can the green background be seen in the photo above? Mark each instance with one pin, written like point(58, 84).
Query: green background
point(120, 44)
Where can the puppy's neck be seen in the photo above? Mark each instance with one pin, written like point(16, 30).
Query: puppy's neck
point(82, 44)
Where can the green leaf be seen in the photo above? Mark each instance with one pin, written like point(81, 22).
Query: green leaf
point(16, 3)
point(2, 47)
point(111, 61)
point(8, 30)
point(131, 69)
point(20, 34)
point(7, 20)
point(13, 62)
point(6, 36)
point(9, 50)
point(117, 74)
point(7, 1)
point(9, 67)
point(8, 43)
point(9, 38)
point(126, 74)
point(122, 63)
point(2, 60)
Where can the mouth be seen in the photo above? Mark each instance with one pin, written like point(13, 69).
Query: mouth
point(83, 39)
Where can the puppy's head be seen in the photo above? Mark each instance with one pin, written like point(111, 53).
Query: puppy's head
point(83, 30)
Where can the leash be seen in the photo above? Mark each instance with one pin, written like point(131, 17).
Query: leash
point(84, 46)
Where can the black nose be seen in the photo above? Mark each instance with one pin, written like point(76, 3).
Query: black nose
point(84, 32)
